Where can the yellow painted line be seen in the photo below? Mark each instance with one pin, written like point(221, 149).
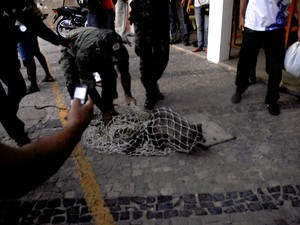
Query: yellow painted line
point(87, 178)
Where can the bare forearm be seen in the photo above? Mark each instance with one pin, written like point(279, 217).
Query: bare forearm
point(243, 7)
point(34, 163)
point(25, 168)
point(126, 84)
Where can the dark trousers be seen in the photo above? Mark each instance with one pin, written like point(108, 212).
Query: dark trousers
point(273, 43)
point(11, 76)
point(186, 22)
point(9, 119)
point(174, 20)
point(153, 61)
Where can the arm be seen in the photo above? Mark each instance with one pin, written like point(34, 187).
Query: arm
point(31, 17)
point(188, 8)
point(243, 7)
point(123, 67)
point(298, 15)
point(24, 169)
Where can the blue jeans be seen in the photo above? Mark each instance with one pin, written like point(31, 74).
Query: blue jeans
point(186, 23)
point(273, 43)
point(202, 27)
point(179, 21)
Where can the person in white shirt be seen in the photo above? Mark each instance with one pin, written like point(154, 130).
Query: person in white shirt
point(263, 24)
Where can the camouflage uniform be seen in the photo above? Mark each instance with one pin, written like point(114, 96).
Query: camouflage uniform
point(152, 36)
point(81, 60)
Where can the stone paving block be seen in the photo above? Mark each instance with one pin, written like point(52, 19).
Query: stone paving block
point(178, 221)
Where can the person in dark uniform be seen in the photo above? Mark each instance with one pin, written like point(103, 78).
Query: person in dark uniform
point(152, 36)
point(10, 74)
point(96, 50)
point(28, 48)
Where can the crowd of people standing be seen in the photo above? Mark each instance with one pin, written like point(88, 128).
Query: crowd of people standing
point(182, 12)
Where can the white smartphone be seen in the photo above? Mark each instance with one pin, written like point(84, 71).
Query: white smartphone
point(81, 92)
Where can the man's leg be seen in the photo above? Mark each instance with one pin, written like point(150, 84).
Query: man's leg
point(31, 71)
point(199, 23)
point(16, 87)
point(173, 22)
point(186, 25)
point(247, 57)
point(10, 121)
point(274, 45)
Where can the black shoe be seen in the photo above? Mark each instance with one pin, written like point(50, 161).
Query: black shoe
point(252, 80)
point(160, 96)
point(273, 109)
point(283, 89)
point(174, 41)
point(236, 97)
point(186, 43)
point(23, 140)
point(151, 101)
point(32, 89)
point(114, 112)
point(195, 44)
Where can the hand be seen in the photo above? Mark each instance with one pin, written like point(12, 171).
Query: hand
point(130, 100)
point(106, 117)
point(242, 23)
point(80, 116)
point(188, 9)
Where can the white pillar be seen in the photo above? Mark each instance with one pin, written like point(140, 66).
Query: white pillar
point(219, 30)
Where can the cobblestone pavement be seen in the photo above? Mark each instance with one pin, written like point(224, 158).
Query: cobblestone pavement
point(253, 179)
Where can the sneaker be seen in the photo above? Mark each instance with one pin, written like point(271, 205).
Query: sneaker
point(236, 97)
point(197, 49)
point(273, 109)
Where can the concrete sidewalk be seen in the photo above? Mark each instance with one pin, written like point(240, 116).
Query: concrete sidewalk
point(252, 179)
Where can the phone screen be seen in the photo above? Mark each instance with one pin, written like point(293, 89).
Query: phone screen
point(80, 92)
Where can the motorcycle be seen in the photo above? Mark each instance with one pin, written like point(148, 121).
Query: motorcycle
point(72, 17)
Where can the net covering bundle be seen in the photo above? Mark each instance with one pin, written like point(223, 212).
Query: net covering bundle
point(136, 133)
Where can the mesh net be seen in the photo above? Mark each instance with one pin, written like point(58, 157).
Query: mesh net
point(135, 132)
